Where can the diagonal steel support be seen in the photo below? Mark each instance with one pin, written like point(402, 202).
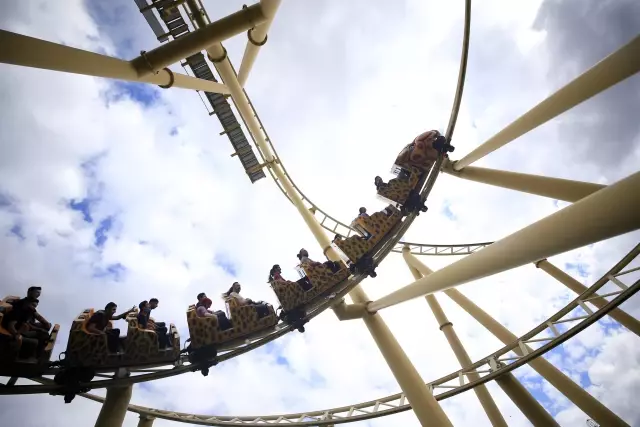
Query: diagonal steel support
point(613, 69)
point(607, 213)
point(17, 49)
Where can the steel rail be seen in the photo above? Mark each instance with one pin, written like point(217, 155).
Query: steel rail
point(183, 366)
point(329, 222)
point(396, 403)
point(389, 243)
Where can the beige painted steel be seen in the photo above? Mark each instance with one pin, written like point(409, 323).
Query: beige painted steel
point(27, 51)
point(613, 69)
point(530, 407)
point(576, 394)
point(145, 421)
point(349, 312)
point(228, 76)
point(114, 408)
point(555, 188)
point(424, 405)
point(487, 402)
point(259, 35)
point(619, 315)
point(195, 41)
point(527, 404)
point(607, 213)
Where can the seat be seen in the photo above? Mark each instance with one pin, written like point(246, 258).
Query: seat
point(377, 225)
point(323, 278)
point(419, 153)
point(290, 294)
point(87, 349)
point(397, 189)
point(141, 345)
point(205, 331)
point(5, 336)
point(244, 318)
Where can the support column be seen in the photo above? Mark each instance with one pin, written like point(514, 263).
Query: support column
point(114, 407)
point(528, 405)
point(518, 394)
point(424, 405)
point(17, 49)
point(145, 421)
point(607, 213)
point(576, 394)
point(487, 402)
point(555, 188)
point(617, 314)
point(257, 38)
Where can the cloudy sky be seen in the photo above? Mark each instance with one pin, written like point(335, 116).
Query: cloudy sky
point(112, 191)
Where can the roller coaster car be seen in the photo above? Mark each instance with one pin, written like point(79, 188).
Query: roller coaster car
point(11, 365)
point(206, 334)
point(423, 151)
point(293, 296)
point(357, 248)
point(402, 189)
point(141, 345)
point(88, 349)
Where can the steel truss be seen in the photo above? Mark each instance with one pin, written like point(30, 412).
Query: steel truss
point(547, 336)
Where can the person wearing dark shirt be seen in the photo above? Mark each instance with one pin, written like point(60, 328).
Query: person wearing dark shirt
point(37, 322)
point(145, 322)
point(17, 322)
point(100, 323)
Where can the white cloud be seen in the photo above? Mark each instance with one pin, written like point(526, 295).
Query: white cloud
point(338, 114)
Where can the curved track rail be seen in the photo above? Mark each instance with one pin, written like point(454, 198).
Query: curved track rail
point(331, 223)
point(490, 367)
point(143, 373)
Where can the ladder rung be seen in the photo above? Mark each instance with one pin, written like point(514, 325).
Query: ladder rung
point(538, 340)
point(571, 319)
point(602, 296)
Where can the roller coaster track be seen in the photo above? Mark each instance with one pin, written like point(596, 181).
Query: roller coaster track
point(331, 223)
point(502, 361)
point(143, 373)
point(391, 242)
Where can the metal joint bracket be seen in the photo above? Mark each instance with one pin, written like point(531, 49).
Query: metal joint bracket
point(255, 43)
point(537, 263)
point(143, 54)
point(171, 79)
point(262, 165)
point(446, 324)
point(222, 58)
point(366, 307)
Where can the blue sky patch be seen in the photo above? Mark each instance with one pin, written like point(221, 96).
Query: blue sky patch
point(446, 211)
point(102, 230)
point(226, 264)
point(581, 268)
point(114, 271)
point(83, 206)
point(142, 93)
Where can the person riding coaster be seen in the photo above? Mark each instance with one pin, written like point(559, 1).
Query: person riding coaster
point(416, 159)
point(423, 151)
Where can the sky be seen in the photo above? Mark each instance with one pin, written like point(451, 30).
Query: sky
point(118, 192)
